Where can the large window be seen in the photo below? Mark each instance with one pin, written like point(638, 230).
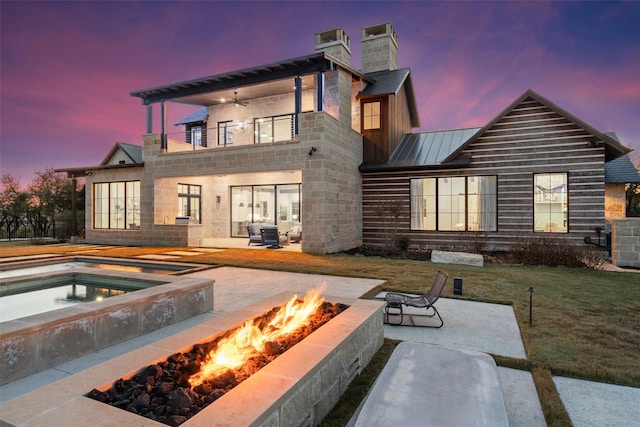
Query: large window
point(116, 205)
point(274, 128)
point(271, 204)
point(454, 203)
point(371, 115)
point(550, 203)
point(189, 201)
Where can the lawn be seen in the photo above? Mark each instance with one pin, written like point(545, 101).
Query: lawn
point(586, 323)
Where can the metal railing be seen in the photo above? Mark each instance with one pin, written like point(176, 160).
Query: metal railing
point(26, 231)
point(233, 133)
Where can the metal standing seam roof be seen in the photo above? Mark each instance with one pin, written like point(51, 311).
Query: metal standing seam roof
point(199, 115)
point(429, 148)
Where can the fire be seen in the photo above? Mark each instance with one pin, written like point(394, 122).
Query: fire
point(249, 340)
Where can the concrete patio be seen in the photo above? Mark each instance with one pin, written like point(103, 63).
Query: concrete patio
point(487, 328)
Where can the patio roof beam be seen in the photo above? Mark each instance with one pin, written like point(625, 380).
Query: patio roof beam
point(316, 63)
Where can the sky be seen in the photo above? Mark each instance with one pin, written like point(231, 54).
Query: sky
point(67, 68)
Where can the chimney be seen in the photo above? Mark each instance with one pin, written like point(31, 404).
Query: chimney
point(379, 48)
point(336, 43)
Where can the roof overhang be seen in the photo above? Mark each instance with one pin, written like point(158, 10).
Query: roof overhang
point(88, 170)
point(459, 162)
point(304, 65)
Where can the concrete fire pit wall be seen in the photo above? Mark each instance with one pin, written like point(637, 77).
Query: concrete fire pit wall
point(297, 389)
point(35, 343)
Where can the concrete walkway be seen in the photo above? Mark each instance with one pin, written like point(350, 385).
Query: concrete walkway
point(488, 328)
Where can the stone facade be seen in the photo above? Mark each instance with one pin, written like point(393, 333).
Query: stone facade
point(615, 201)
point(625, 237)
point(49, 339)
point(379, 48)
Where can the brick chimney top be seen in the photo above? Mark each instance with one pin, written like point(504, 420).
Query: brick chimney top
point(336, 43)
point(379, 48)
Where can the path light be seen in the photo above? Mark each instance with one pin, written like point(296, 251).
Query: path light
point(531, 291)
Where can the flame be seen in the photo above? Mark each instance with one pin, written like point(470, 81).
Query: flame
point(249, 340)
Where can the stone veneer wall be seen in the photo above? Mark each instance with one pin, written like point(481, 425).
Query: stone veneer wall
point(331, 181)
point(625, 242)
point(615, 201)
point(299, 388)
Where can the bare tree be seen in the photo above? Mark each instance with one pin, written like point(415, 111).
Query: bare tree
point(14, 205)
point(49, 194)
point(633, 191)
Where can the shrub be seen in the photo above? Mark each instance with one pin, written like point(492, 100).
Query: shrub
point(552, 251)
point(402, 242)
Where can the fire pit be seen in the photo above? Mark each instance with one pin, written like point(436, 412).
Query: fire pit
point(179, 387)
point(298, 388)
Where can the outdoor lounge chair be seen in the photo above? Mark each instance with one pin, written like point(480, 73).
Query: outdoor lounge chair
point(255, 236)
point(270, 236)
point(395, 303)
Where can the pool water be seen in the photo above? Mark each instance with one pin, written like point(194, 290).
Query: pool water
point(38, 301)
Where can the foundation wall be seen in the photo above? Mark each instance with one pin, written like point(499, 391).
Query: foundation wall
point(35, 343)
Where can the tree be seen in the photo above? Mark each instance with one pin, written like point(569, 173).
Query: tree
point(633, 192)
point(14, 205)
point(49, 194)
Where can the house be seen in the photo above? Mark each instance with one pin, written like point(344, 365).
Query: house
point(313, 142)
point(534, 168)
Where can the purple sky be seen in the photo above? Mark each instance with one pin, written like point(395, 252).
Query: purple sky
point(67, 67)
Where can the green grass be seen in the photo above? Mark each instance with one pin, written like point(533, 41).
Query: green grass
point(585, 322)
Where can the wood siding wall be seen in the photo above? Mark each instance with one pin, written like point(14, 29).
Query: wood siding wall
point(531, 138)
point(376, 141)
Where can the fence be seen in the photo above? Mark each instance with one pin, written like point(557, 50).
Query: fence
point(25, 231)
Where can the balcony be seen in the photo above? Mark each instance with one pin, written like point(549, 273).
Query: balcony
point(233, 133)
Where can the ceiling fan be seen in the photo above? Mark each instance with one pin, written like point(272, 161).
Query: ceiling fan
point(238, 103)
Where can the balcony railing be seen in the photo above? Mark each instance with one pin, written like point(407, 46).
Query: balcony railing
point(233, 133)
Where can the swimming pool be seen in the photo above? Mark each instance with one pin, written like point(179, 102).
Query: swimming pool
point(36, 342)
point(22, 298)
point(46, 266)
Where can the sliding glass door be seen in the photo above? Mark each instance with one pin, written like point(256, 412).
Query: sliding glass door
point(274, 204)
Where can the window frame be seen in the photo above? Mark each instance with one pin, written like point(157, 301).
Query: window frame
point(190, 197)
point(273, 133)
point(119, 206)
point(225, 133)
point(542, 198)
point(371, 115)
point(196, 135)
point(428, 209)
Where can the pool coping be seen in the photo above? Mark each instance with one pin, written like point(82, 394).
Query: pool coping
point(13, 263)
point(35, 343)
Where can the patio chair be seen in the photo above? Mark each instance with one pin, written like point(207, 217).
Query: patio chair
point(395, 303)
point(255, 236)
point(270, 236)
point(296, 234)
